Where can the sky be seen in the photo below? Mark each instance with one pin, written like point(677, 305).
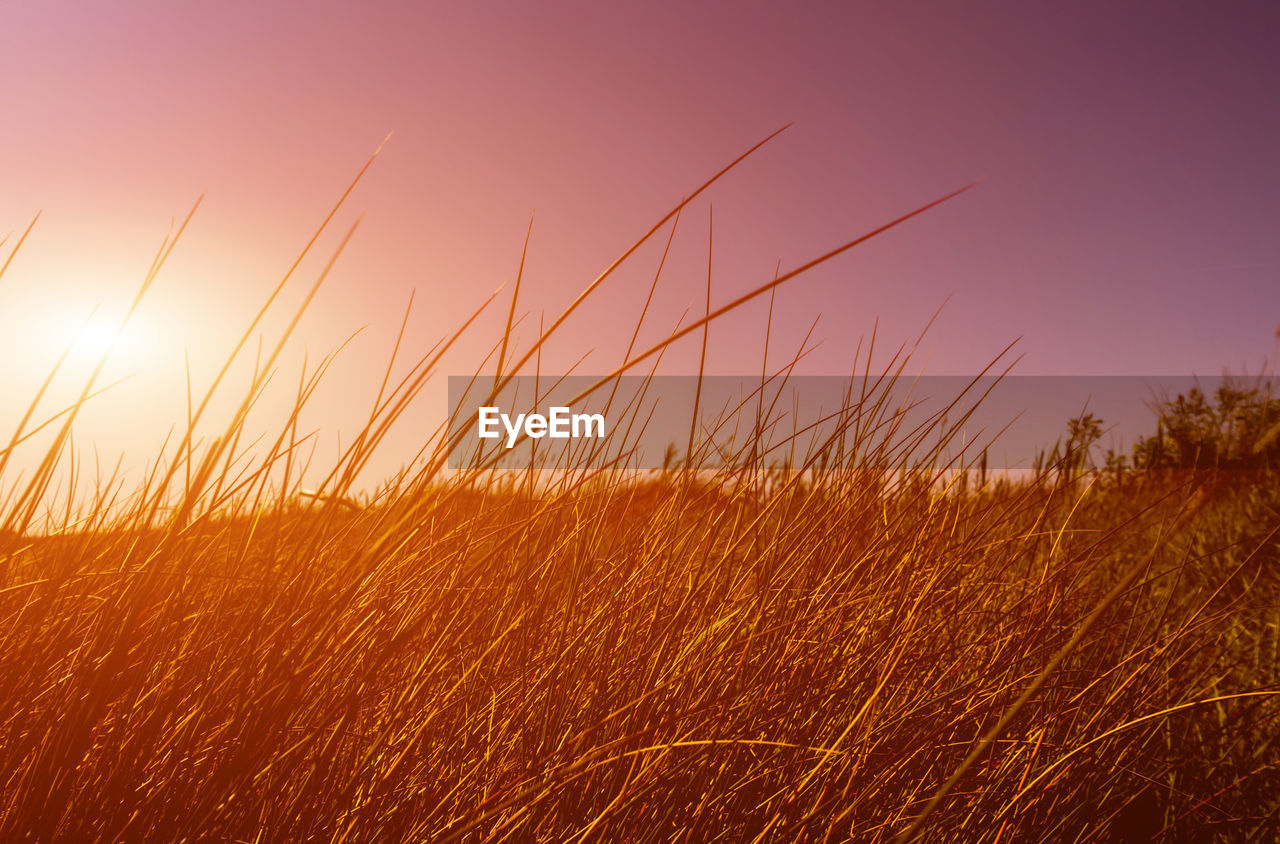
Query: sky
point(1125, 222)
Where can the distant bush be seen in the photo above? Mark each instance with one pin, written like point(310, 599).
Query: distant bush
point(1237, 429)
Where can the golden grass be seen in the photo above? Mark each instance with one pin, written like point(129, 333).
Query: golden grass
point(738, 655)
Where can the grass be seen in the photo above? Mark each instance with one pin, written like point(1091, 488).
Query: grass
point(870, 651)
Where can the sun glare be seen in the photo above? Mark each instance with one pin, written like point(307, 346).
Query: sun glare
point(104, 333)
point(96, 338)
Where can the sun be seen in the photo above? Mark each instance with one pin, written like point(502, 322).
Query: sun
point(102, 334)
point(96, 337)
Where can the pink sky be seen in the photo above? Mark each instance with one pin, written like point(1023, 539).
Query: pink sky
point(1126, 224)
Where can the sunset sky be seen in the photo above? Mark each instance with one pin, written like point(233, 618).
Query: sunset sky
point(1126, 223)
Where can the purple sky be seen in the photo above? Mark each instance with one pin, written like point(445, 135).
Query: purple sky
point(1126, 223)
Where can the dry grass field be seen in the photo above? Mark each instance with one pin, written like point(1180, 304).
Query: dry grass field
point(870, 651)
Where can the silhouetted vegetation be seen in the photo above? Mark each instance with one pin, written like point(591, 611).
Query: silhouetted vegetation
point(1237, 428)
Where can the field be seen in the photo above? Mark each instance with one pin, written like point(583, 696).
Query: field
point(875, 649)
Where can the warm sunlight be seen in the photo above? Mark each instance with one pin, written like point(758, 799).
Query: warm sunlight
point(104, 332)
point(96, 337)
point(654, 422)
